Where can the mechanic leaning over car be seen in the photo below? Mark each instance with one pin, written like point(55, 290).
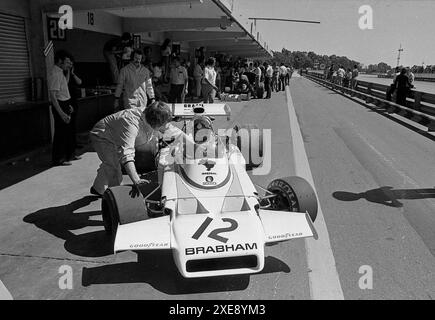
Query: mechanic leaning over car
point(114, 139)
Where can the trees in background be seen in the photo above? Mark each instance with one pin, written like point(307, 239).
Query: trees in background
point(303, 59)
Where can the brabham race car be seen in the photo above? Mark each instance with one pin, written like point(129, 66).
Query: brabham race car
point(203, 205)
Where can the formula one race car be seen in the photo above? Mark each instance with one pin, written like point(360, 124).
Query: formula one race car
point(203, 205)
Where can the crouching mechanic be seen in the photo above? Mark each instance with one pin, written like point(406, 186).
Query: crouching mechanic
point(114, 139)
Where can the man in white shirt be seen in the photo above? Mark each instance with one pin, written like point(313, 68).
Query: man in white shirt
point(340, 75)
point(136, 82)
point(289, 75)
point(115, 137)
point(282, 76)
point(411, 76)
point(209, 87)
point(268, 80)
point(355, 74)
point(63, 140)
point(179, 80)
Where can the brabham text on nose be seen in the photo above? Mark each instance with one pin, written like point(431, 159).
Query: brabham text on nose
point(221, 248)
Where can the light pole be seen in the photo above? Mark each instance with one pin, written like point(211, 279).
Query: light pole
point(398, 56)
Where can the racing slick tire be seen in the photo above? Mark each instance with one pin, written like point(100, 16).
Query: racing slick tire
point(294, 194)
point(250, 143)
point(122, 205)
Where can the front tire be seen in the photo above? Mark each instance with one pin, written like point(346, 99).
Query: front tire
point(294, 194)
point(122, 205)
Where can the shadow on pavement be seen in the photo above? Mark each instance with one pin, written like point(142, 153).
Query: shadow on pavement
point(158, 269)
point(386, 195)
point(17, 170)
point(59, 221)
point(28, 165)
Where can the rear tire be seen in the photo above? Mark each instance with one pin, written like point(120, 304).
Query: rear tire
point(294, 194)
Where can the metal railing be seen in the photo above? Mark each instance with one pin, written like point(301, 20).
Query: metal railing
point(420, 105)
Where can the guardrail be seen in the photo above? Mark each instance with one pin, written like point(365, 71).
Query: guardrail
point(417, 76)
point(420, 105)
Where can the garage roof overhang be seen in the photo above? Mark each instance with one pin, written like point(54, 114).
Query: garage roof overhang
point(200, 23)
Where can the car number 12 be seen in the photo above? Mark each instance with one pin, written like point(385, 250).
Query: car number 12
point(215, 233)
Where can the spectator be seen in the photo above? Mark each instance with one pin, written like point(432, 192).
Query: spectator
point(74, 82)
point(402, 86)
point(392, 88)
point(396, 73)
point(135, 81)
point(410, 76)
point(340, 75)
point(165, 51)
point(198, 73)
point(275, 80)
point(282, 76)
point(209, 81)
point(112, 51)
point(157, 73)
point(325, 73)
point(288, 76)
point(354, 79)
point(218, 70)
point(179, 82)
point(268, 80)
point(260, 89)
point(347, 78)
point(235, 78)
point(334, 77)
point(63, 148)
point(257, 71)
point(331, 72)
point(244, 85)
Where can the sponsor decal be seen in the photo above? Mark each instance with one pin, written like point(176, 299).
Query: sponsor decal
point(209, 181)
point(221, 248)
point(207, 163)
point(284, 236)
point(149, 245)
point(193, 105)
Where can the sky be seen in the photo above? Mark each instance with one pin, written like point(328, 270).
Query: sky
point(410, 23)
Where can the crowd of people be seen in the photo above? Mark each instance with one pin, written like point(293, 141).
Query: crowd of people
point(403, 81)
point(202, 80)
point(141, 114)
point(341, 76)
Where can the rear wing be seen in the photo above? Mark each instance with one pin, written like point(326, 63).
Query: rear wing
point(190, 110)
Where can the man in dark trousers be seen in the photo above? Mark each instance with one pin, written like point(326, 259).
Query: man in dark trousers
point(268, 79)
point(74, 83)
point(402, 85)
point(63, 142)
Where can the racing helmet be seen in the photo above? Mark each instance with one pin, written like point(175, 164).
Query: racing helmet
point(202, 130)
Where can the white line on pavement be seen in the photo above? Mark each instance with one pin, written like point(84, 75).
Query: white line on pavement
point(4, 293)
point(323, 277)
